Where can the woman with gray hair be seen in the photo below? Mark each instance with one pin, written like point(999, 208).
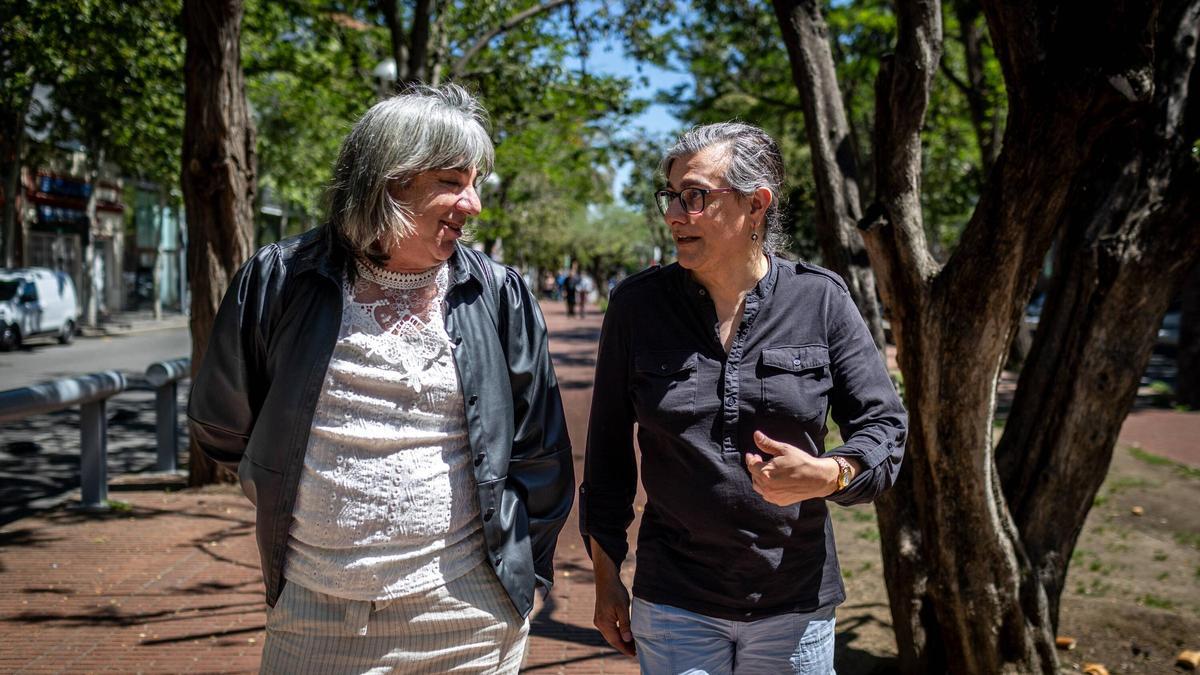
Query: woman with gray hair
point(736, 566)
point(347, 381)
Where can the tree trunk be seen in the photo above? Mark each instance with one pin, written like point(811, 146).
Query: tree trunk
point(835, 167)
point(399, 38)
point(218, 174)
point(12, 147)
point(1131, 237)
point(1187, 380)
point(966, 589)
point(418, 48)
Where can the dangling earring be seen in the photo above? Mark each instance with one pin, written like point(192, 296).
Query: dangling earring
point(753, 236)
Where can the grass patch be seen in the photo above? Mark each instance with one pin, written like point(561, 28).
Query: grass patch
point(1160, 556)
point(1125, 483)
point(834, 438)
point(118, 506)
point(1191, 539)
point(869, 534)
point(862, 515)
point(1151, 600)
point(1154, 460)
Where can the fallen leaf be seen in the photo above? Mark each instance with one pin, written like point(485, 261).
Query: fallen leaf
point(1188, 659)
point(1137, 510)
point(1064, 643)
point(1094, 669)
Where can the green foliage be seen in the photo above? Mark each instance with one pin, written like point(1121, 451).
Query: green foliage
point(308, 78)
point(739, 74)
point(113, 73)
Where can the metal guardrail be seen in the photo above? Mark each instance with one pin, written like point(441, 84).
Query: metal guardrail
point(91, 394)
point(164, 376)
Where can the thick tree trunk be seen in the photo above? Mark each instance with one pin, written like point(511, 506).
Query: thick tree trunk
point(219, 170)
point(835, 167)
point(1132, 235)
point(966, 590)
point(12, 143)
point(1187, 380)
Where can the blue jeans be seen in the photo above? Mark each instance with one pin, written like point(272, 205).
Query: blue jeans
point(676, 641)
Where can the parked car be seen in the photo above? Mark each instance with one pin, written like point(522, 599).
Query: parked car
point(36, 301)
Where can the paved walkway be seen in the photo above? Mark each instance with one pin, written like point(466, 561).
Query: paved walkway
point(169, 582)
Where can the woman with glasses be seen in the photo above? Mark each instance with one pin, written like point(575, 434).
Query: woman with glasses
point(728, 362)
point(386, 396)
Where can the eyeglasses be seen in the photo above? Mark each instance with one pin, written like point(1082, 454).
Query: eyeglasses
point(693, 200)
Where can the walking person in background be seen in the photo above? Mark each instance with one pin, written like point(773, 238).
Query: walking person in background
point(570, 287)
point(348, 379)
point(585, 287)
point(736, 566)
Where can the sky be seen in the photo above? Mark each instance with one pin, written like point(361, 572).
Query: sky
point(608, 57)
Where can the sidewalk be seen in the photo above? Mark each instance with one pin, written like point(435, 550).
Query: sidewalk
point(168, 582)
point(135, 321)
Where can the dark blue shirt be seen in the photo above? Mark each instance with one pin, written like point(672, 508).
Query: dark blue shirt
point(708, 542)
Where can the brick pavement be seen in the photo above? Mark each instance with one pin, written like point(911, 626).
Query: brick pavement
point(170, 583)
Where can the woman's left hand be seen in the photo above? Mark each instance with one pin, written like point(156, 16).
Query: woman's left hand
point(791, 475)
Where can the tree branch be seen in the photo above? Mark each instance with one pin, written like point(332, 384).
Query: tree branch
point(515, 20)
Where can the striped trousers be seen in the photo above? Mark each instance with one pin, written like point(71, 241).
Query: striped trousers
point(466, 626)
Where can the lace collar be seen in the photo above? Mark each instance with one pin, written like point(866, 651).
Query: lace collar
point(397, 280)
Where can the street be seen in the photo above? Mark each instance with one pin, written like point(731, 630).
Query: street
point(41, 360)
point(39, 455)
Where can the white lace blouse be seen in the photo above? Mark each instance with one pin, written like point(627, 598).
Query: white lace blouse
point(387, 504)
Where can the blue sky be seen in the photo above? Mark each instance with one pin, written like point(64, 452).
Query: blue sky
point(608, 57)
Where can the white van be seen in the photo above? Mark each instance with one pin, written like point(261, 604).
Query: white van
point(36, 301)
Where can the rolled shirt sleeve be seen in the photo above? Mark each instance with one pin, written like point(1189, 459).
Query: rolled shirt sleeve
point(864, 403)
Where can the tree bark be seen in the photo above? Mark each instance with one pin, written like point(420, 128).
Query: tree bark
point(835, 168)
point(1131, 236)
point(399, 37)
point(965, 587)
point(12, 144)
point(1187, 380)
point(218, 173)
point(418, 48)
point(975, 88)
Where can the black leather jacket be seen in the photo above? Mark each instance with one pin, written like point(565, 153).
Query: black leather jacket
point(253, 399)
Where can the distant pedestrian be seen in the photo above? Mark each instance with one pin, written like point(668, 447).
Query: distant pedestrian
point(585, 288)
point(727, 363)
point(386, 396)
point(570, 289)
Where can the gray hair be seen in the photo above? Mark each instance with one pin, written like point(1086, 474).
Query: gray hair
point(753, 160)
point(422, 129)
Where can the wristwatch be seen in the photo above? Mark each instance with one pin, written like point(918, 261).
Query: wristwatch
point(845, 473)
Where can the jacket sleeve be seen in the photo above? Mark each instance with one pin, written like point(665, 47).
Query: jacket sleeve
point(541, 468)
point(230, 384)
point(610, 470)
point(864, 404)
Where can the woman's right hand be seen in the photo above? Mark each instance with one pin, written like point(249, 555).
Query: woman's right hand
point(612, 603)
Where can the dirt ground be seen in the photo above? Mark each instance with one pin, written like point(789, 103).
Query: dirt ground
point(1132, 600)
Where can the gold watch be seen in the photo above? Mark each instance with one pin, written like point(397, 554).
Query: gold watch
point(845, 473)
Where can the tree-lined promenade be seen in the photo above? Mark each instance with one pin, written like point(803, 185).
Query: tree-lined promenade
point(951, 161)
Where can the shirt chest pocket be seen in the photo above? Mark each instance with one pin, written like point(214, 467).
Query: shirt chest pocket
point(664, 385)
point(796, 380)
